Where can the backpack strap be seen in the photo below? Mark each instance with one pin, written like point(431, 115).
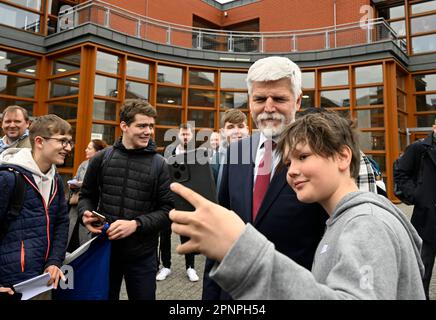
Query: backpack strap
point(107, 155)
point(16, 199)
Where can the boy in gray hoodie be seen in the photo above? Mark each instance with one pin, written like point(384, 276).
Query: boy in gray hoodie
point(369, 249)
point(35, 240)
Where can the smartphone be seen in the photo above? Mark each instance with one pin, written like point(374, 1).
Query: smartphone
point(98, 215)
point(192, 169)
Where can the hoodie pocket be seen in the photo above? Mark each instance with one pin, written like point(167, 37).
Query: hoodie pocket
point(23, 256)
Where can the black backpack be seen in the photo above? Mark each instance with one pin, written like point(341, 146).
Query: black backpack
point(15, 201)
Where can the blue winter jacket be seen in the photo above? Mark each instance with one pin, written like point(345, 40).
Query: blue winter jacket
point(37, 238)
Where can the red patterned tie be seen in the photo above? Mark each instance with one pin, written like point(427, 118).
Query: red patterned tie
point(263, 177)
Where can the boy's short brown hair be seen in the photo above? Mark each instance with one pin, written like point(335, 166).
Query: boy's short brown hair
point(47, 126)
point(234, 116)
point(326, 133)
point(132, 107)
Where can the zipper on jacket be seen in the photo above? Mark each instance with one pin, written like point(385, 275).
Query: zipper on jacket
point(23, 256)
point(46, 209)
point(55, 191)
point(124, 188)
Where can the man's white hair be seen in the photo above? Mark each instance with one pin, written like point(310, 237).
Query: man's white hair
point(272, 69)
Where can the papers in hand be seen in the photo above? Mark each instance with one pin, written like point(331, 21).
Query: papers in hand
point(33, 286)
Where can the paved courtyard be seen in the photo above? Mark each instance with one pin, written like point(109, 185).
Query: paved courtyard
point(178, 287)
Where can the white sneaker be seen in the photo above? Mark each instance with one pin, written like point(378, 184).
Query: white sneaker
point(163, 274)
point(192, 275)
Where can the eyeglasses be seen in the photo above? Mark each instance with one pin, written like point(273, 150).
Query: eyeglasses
point(64, 142)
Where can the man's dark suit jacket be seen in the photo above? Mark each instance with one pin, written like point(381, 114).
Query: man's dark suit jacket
point(295, 228)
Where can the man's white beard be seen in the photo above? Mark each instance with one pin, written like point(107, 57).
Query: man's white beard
point(271, 131)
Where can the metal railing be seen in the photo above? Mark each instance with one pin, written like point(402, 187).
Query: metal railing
point(121, 20)
point(409, 132)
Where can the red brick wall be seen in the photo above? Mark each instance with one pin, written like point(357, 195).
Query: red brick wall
point(179, 12)
point(274, 15)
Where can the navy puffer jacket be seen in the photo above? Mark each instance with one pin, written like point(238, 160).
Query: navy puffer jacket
point(37, 238)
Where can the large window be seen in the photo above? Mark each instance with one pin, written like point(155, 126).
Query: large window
point(21, 18)
point(63, 95)
point(107, 95)
point(395, 16)
point(169, 101)
point(368, 94)
point(29, 15)
point(425, 98)
point(233, 94)
point(335, 90)
point(17, 80)
point(202, 98)
point(401, 107)
point(423, 26)
point(309, 85)
point(417, 24)
point(356, 92)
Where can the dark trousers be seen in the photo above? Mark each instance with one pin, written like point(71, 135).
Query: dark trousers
point(428, 254)
point(139, 275)
point(165, 248)
point(190, 257)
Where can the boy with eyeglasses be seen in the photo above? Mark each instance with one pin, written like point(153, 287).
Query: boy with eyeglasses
point(34, 241)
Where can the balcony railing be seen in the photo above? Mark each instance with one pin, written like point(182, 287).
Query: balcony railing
point(121, 20)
